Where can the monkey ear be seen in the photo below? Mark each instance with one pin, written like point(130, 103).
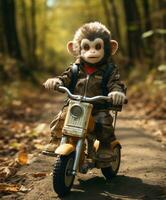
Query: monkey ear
point(114, 46)
point(70, 48)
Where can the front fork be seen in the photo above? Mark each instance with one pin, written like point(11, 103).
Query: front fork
point(78, 149)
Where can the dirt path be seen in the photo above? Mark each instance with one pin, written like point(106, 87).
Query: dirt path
point(142, 172)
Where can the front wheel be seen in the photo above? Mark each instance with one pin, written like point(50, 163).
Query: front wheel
point(62, 174)
point(111, 171)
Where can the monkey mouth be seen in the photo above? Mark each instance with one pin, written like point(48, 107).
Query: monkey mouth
point(92, 57)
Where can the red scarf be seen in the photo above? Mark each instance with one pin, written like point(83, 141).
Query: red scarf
point(89, 70)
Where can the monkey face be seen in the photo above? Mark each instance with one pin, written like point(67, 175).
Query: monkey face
point(92, 44)
point(92, 51)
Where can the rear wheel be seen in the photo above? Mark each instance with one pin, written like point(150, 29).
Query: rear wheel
point(110, 172)
point(62, 174)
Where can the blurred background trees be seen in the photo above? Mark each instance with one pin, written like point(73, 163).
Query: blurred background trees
point(33, 38)
point(33, 35)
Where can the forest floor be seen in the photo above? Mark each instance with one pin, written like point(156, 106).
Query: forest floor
point(26, 174)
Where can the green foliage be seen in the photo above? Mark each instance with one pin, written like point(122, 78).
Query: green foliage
point(151, 32)
point(147, 34)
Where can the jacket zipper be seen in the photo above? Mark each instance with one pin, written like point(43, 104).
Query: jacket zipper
point(86, 85)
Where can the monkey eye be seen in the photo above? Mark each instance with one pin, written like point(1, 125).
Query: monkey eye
point(86, 47)
point(98, 46)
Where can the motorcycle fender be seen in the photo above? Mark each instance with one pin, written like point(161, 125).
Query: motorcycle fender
point(65, 149)
point(113, 144)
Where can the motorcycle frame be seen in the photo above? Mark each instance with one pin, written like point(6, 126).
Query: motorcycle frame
point(65, 147)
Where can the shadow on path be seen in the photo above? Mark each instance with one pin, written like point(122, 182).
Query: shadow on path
point(121, 187)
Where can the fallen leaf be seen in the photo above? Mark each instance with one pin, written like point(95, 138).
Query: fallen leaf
point(14, 163)
point(4, 187)
point(39, 174)
point(40, 128)
point(15, 145)
point(16, 103)
point(6, 172)
point(24, 189)
point(157, 133)
point(31, 158)
point(39, 146)
point(3, 159)
point(10, 188)
point(23, 156)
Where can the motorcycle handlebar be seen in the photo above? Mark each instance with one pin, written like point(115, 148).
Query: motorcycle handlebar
point(83, 98)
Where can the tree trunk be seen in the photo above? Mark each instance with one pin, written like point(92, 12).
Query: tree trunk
point(159, 38)
point(34, 37)
point(25, 27)
point(162, 6)
point(148, 25)
point(115, 17)
point(9, 23)
point(134, 29)
point(107, 14)
point(148, 42)
point(3, 48)
point(44, 28)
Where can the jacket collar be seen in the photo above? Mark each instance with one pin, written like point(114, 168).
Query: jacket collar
point(100, 68)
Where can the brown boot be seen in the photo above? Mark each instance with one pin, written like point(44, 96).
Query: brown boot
point(51, 147)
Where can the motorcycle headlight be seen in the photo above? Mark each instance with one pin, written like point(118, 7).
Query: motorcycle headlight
point(76, 111)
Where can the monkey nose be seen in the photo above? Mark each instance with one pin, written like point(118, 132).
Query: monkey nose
point(93, 51)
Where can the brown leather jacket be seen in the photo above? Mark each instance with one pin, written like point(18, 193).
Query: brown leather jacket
point(90, 85)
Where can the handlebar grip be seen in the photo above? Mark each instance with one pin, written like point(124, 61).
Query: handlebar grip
point(56, 87)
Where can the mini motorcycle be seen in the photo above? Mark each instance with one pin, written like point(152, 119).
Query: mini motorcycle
point(72, 155)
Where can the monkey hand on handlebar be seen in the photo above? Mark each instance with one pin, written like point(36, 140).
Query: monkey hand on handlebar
point(53, 83)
